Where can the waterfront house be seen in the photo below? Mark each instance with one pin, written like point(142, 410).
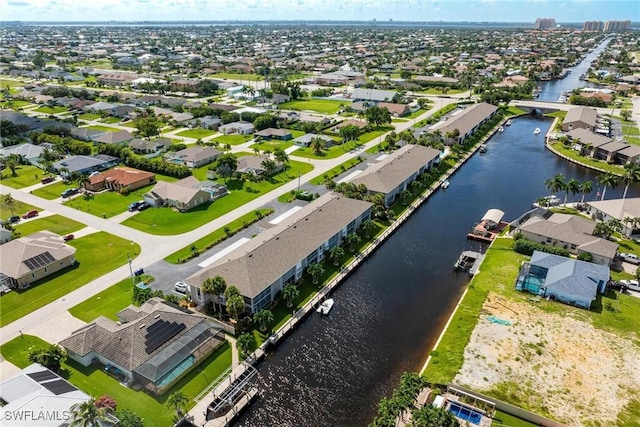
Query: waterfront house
point(629, 154)
point(394, 173)
point(619, 209)
point(570, 232)
point(153, 345)
point(120, 179)
point(279, 256)
point(608, 152)
point(589, 141)
point(466, 122)
point(580, 117)
point(34, 257)
point(563, 279)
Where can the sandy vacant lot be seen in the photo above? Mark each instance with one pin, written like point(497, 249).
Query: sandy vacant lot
point(557, 366)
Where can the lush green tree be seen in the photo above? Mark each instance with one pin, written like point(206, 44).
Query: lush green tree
point(585, 188)
point(430, 416)
point(231, 291)
point(555, 184)
point(9, 202)
point(317, 144)
point(336, 254)
point(215, 286)
point(50, 357)
point(12, 162)
point(87, 414)
point(270, 167)
point(128, 418)
point(147, 127)
point(265, 121)
point(281, 156)
point(377, 116)
point(177, 401)
point(405, 196)
point(290, 293)
point(226, 165)
point(573, 187)
point(315, 270)
point(349, 132)
point(625, 114)
point(245, 342)
point(352, 240)
point(263, 318)
point(607, 179)
point(235, 306)
point(367, 227)
point(631, 176)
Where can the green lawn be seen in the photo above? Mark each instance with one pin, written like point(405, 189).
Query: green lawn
point(10, 83)
point(332, 173)
point(96, 255)
point(196, 133)
point(237, 76)
point(15, 103)
point(560, 114)
point(111, 120)
point(55, 223)
point(109, 203)
point(165, 221)
point(569, 152)
point(19, 208)
point(89, 116)
point(439, 91)
point(503, 419)
point(368, 136)
point(232, 139)
point(204, 242)
point(107, 303)
point(103, 128)
point(94, 381)
point(324, 106)
point(50, 110)
point(26, 176)
point(271, 144)
point(53, 191)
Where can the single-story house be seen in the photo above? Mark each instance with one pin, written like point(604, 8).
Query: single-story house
point(563, 279)
point(588, 140)
point(571, 232)
point(119, 137)
point(305, 140)
point(5, 235)
point(274, 133)
point(394, 173)
point(373, 95)
point(120, 179)
point(193, 157)
point(360, 124)
point(145, 146)
point(241, 128)
point(609, 151)
point(620, 209)
point(253, 164)
point(206, 122)
point(33, 257)
point(27, 152)
point(580, 117)
point(396, 110)
point(467, 122)
point(182, 195)
point(86, 134)
point(629, 154)
point(279, 256)
point(149, 345)
point(84, 164)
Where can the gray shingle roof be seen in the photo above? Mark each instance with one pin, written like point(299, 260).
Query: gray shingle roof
point(469, 118)
point(14, 253)
point(587, 115)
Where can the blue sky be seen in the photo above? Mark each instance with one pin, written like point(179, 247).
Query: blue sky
point(382, 10)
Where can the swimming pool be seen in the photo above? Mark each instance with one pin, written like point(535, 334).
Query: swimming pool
point(177, 371)
point(465, 413)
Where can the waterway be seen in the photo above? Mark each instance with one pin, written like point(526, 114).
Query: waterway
point(333, 370)
point(552, 89)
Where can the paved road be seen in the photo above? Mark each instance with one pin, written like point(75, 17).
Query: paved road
point(155, 248)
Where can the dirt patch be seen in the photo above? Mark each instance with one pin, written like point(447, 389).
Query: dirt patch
point(555, 365)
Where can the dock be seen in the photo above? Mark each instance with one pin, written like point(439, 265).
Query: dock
point(489, 227)
point(469, 261)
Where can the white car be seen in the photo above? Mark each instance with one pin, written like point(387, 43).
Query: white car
point(631, 258)
point(181, 287)
point(631, 284)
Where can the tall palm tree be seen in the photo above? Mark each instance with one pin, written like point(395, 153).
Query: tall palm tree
point(585, 188)
point(335, 254)
point(281, 156)
point(607, 179)
point(555, 184)
point(315, 270)
point(317, 145)
point(631, 176)
point(235, 306)
point(87, 414)
point(573, 187)
point(177, 402)
point(9, 202)
point(290, 293)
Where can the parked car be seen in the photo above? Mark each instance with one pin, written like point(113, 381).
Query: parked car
point(181, 287)
point(70, 192)
point(30, 214)
point(631, 284)
point(68, 237)
point(144, 205)
point(13, 219)
point(47, 179)
point(632, 258)
point(134, 206)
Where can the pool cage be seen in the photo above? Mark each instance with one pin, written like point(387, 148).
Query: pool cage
point(469, 407)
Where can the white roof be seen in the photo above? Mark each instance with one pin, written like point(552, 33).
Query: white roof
point(493, 215)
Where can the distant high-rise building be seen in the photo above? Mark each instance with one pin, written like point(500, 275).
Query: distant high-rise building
point(610, 26)
point(544, 24)
point(592, 26)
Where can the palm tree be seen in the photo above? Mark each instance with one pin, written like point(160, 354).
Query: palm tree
point(235, 306)
point(573, 187)
point(215, 286)
point(315, 270)
point(352, 240)
point(177, 402)
point(336, 254)
point(290, 293)
point(245, 342)
point(585, 188)
point(82, 179)
point(12, 161)
point(368, 226)
point(607, 179)
point(281, 156)
point(87, 414)
point(631, 176)
point(263, 318)
point(317, 145)
point(555, 184)
point(9, 202)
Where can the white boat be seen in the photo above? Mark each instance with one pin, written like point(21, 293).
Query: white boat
point(536, 131)
point(509, 122)
point(445, 184)
point(501, 129)
point(325, 307)
point(483, 148)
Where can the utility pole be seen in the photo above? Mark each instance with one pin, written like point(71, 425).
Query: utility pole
point(133, 280)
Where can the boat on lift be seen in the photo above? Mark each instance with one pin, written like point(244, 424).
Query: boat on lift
point(325, 307)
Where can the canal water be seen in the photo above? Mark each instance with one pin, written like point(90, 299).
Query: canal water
point(333, 370)
point(552, 89)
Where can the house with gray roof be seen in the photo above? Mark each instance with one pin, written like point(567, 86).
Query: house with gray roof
point(119, 137)
point(27, 152)
point(571, 232)
point(608, 151)
point(241, 128)
point(86, 134)
point(619, 209)
point(182, 195)
point(467, 121)
point(149, 345)
point(629, 154)
point(394, 173)
point(275, 133)
point(84, 164)
point(33, 257)
point(194, 156)
point(305, 140)
point(373, 95)
point(588, 140)
point(279, 256)
point(145, 146)
point(563, 279)
point(580, 117)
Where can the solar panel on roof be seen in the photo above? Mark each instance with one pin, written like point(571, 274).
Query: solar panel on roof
point(161, 332)
point(43, 376)
point(39, 261)
point(58, 387)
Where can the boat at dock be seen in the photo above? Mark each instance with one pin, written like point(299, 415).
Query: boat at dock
point(489, 227)
point(500, 129)
point(483, 148)
point(469, 261)
point(326, 306)
point(445, 184)
point(508, 122)
point(536, 131)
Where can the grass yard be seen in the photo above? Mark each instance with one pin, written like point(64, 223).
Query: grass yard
point(19, 208)
point(237, 76)
point(96, 254)
point(55, 223)
point(232, 139)
point(196, 133)
point(368, 136)
point(26, 176)
point(332, 173)
point(107, 303)
point(204, 242)
point(503, 419)
point(15, 103)
point(11, 83)
point(588, 161)
point(324, 106)
point(111, 120)
point(439, 91)
point(103, 128)
point(271, 144)
point(94, 381)
point(109, 203)
point(53, 191)
point(165, 221)
point(560, 114)
point(89, 116)
point(328, 153)
point(51, 110)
